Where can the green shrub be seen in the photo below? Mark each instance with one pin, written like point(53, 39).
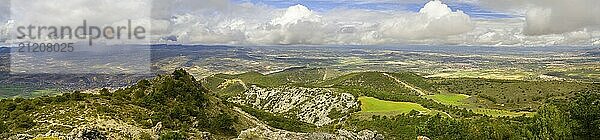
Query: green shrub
point(224, 123)
point(172, 136)
point(3, 127)
point(145, 136)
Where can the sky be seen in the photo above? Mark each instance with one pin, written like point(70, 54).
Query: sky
point(350, 22)
point(380, 5)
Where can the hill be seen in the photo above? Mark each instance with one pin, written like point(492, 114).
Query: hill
point(511, 94)
point(167, 106)
point(307, 104)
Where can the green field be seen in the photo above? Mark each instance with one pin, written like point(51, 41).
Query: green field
point(8, 91)
point(450, 99)
point(373, 105)
point(44, 92)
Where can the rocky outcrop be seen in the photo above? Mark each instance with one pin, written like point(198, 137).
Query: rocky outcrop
point(98, 133)
point(312, 105)
point(362, 135)
point(82, 133)
point(263, 132)
point(99, 130)
point(21, 137)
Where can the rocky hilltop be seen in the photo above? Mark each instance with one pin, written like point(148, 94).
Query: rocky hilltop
point(317, 106)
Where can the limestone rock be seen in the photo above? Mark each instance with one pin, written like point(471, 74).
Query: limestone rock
point(310, 105)
point(264, 132)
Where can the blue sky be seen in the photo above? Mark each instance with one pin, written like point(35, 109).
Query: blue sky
point(383, 5)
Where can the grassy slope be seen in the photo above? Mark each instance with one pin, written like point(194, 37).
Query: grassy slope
point(460, 100)
point(292, 77)
point(510, 94)
point(450, 99)
point(414, 80)
point(370, 104)
point(371, 84)
point(359, 84)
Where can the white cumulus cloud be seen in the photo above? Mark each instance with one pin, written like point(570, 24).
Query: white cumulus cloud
point(297, 25)
point(551, 16)
point(300, 25)
point(435, 19)
point(536, 22)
